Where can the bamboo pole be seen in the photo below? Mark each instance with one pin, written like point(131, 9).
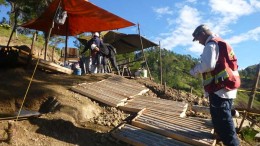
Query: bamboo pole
point(160, 61)
point(49, 33)
point(66, 41)
point(144, 54)
point(253, 92)
point(15, 25)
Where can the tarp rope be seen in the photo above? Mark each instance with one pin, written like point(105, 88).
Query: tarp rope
point(27, 89)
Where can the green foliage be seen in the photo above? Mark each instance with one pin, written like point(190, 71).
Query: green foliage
point(5, 26)
point(248, 79)
point(5, 32)
point(175, 69)
point(248, 134)
point(3, 2)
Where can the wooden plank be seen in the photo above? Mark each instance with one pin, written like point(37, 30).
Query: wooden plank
point(97, 98)
point(162, 106)
point(102, 93)
point(201, 133)
point(130, 109)
point(185, 131)
point(160, 101)
point(171, 134)
point(137, 136)
point(105, 93)
point(135, 106)
point(182, 122)
point(119, 87)
point(124, 86)
point(54, 67)
point(120, 91)
point(126, 82)
point(197, 121)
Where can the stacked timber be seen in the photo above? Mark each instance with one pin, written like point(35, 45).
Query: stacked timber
point(47, 65)
point(188, 130)
point(165, 106)
point(137, 136)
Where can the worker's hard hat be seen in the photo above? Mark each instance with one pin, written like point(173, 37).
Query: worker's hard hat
point(93, 46)
point(198, 30)
point(96, 34)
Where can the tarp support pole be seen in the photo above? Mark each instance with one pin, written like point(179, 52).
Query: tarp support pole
point(66, 41)
point(144, 54)
point(49, 33)
point(160, 62)
point(15, 25)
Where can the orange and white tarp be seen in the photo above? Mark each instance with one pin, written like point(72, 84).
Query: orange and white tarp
point(83, 16)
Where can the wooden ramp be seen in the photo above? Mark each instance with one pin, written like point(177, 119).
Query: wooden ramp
point(140, 137)
point(188, 130)
point(158, 122)
point(165, 106)
point(47, 65)
point(114, 91)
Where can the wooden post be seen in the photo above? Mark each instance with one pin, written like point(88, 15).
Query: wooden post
point(144, 54)
point(33, 40)
point(164, 87)
point(52, 54)
point(253, 92)
point(49, 33)
point(15, 24)
point(241, 124)
point(160, 62)
point(29, 61)
point(66, 41)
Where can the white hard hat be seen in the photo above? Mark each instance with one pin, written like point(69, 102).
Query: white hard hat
point(96, 34)
point(93, 46)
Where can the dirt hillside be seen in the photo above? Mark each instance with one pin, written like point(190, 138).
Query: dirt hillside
point(78, 120)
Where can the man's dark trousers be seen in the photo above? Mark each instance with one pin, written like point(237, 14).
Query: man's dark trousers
point(220, 110)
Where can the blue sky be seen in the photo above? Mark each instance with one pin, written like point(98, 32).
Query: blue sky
point(171, 22)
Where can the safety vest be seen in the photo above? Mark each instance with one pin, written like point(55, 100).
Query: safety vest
point(225, 74)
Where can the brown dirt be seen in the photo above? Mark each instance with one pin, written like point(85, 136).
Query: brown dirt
point(78, 121)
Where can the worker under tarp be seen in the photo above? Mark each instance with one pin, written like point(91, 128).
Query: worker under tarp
point(126, 43)
point(82, 16)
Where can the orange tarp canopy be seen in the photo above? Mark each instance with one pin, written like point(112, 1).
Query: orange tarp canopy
point(83, 16)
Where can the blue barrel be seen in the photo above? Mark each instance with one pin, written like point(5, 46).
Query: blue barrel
point(77, 71)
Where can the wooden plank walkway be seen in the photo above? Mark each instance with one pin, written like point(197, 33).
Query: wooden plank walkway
point(114, 91)
point(157, 118)
point(163, 105)
point(140, 137)
point(189, 130)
